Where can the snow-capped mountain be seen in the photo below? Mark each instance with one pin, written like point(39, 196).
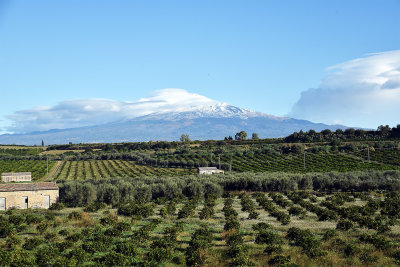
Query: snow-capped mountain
point(215, 121)
point(163, 116)
point(219, 110)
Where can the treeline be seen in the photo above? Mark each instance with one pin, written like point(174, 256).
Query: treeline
point(382, 133)
point(123, 190)
point(20, 152)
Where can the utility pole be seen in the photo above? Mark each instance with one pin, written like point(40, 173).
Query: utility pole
point(47, 165)
point(219, 161)
point(304, 160)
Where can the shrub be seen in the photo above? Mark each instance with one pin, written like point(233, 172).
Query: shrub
point(396, 256)
point(270, 249)
point(201, 240)
point(127, 248)
point(113, 259)
point(163, 212)
point(260, 226)
point(138, 210)
point(329, 234)
point(75, 237)
point(231, 223)
point(280, 260)
point(57, 206)
point(296, 211)
point(380, 242)
point(41, 228)
point(62, 246)
point(95, 206)
point(75, 215)
point(78, 254)
point(306, 240)
point(367, 258)
point(63, 232)
point(33, 218)
point(253, 215)
point(344, 225)
point(16, 219)
point(268, 237)
point(350, 250)
point(45, 255)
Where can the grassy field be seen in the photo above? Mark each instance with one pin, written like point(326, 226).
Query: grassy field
point(72, 234)
point(111, 168)
point(37, 167)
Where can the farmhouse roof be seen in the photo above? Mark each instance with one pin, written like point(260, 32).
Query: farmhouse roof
point(28, 187)
point(207, 168)
point(15, 173)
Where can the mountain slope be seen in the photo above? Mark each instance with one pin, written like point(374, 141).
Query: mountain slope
point(202, 123)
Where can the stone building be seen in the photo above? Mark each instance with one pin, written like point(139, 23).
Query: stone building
point(209, 170)
point(16, 177)
point(28, 195)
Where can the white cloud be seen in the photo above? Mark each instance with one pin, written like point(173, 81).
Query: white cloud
point(362, 92)
point(86, 112)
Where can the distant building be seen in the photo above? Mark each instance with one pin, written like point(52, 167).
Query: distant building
point(209, 170)
point(28, 195)
point(7, 177)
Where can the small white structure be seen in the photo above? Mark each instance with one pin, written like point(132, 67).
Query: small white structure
point(209, 170)
point(7, 177)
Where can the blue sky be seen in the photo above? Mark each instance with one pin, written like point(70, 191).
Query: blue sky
point(260, 55)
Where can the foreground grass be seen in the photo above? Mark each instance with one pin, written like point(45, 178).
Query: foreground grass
point(70, 229)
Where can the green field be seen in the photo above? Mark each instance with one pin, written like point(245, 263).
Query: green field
point(73, 236)
point(37, 167)
point(98, 169)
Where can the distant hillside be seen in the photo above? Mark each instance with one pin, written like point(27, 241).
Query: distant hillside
point(213, 122)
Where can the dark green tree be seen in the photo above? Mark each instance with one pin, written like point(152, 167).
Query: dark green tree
point(242, 135)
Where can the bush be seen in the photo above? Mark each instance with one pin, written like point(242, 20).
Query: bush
point(33, 218)
point(95, 206)
point(380, 242)
point(138, 210)
point(367, 258)
point(201, 240)
point(41, 228)
point(350, 250)
point(75, 215)
point(6, 228)
point(127, 248)
point(16, 219)
point(280, 260)
point(113, 259)
point(231, 223)
point(296, 211)
point(344, 225)
point(57, 206)
point(45, 256)
point(261, 226)
point(306, 240)
point(268, 237)
point(329, 234)
point(78, 254)
point(253, 215)
point(270, 249)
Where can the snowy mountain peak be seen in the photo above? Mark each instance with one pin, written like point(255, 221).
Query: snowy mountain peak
point(218, 110)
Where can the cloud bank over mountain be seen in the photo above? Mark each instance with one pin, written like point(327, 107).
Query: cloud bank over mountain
point(88, 112)
point(362, 92)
